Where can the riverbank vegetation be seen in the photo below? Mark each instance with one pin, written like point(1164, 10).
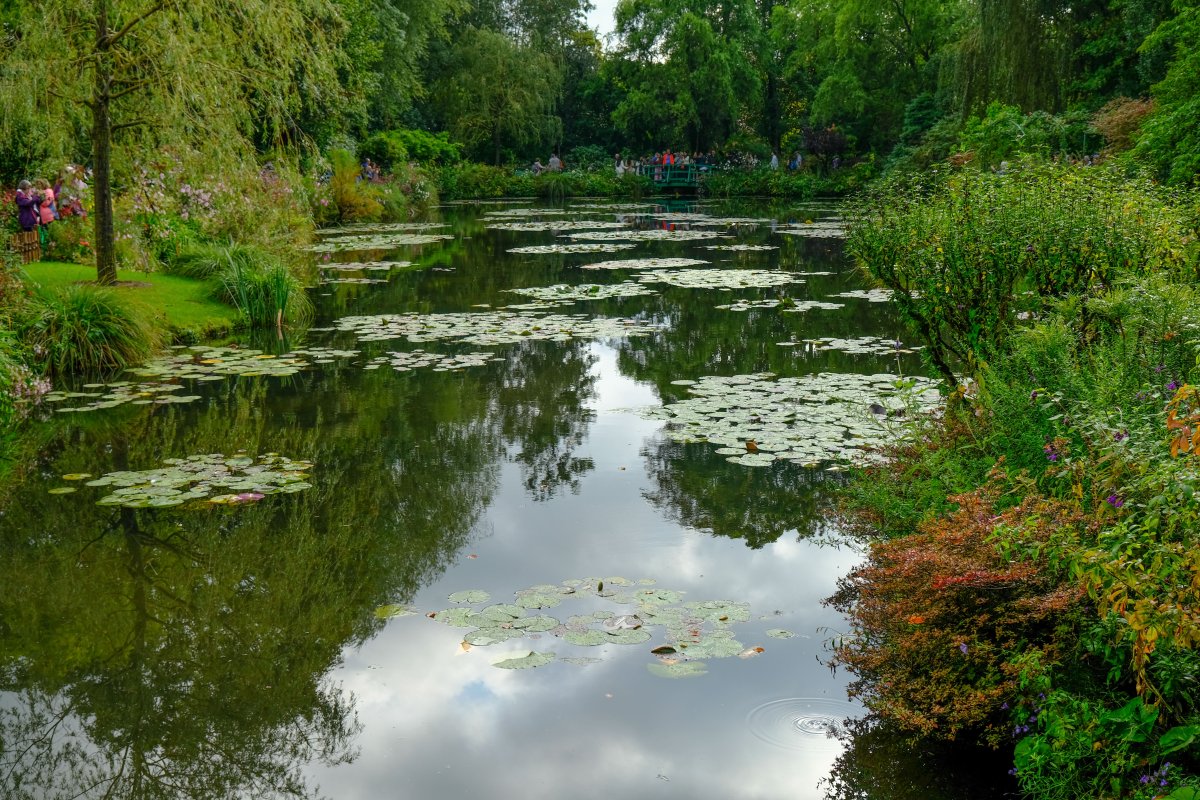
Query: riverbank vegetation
point(1032, 579)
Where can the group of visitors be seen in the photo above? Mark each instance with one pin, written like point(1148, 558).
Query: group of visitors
point(370, 171)
point(555, 164)
point(39, 204)
point(663, 162)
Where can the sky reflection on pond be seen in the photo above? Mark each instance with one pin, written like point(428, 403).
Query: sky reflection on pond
point(528, 467)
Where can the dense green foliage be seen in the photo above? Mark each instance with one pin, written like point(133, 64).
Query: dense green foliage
point(1033, 581)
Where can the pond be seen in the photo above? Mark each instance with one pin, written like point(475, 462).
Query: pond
point(458, 541)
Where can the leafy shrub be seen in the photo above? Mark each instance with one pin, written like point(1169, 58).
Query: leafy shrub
point(959, 248)
point(1004, 133)
point(88, 330)
point(390, 149)
point(936, 616)
point(1118, 121)
point(352, 201)
point(589, 158)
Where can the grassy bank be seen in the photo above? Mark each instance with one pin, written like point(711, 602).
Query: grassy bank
point(186, 308)
point(1033, 580)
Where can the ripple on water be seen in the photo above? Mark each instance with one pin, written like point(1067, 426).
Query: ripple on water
point(801, 723)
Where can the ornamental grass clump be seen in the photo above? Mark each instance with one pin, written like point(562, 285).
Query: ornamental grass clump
point(257, 283)
point(88, 330)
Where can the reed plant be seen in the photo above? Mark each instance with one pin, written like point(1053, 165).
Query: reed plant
point(89, 330)
point(252, 280)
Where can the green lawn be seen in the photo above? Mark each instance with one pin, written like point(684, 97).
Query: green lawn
point(187, 306)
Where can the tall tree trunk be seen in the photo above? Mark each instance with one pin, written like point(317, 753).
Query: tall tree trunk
point(106, 262)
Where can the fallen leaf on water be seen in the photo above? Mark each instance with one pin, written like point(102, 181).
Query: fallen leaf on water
point(666, 649)
point(750, 652)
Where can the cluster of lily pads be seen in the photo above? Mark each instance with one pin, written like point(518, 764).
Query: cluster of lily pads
point(440, 362)
point(870, 295)
point(783, 304)
point(860, 345)
point(562, 294)
point(365, 228)
point(692, 631)
point(199, 363)
point(118, 393)
point(239, 478)
point(741, 248)
point(719, 278)
point(813, 419)
point(816, 230)
point(645, 263)
point(364, 266)
point(378, 241)
point(489, 328)
point(652, 235)
point(549, 249)
point(555, 225)
point(204, 363)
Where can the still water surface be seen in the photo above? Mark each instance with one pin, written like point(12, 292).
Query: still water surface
point(238, 652)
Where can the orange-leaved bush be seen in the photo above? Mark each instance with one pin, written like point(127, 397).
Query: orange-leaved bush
point(936, 617)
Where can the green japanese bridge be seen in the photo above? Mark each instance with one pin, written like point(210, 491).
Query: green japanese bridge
point(679, 177)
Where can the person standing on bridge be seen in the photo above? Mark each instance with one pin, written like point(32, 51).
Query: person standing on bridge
point(774, 160)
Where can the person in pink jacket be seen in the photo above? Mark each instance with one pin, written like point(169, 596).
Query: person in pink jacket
point(48, 211)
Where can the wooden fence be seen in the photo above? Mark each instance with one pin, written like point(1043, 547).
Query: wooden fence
point(26, 244)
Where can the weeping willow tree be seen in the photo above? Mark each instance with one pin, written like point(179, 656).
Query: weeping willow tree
point(1016, 52)
point(132, 75)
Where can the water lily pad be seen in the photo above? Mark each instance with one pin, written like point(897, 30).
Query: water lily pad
point(526, 662)
point(470, 596)
point(586, 638)
point(502, 612)
point(62, 490)
point(780, 633)
point(484, 637)
point(812, 419)
point(646, 263)
point(458, 617)
point(375, 241)
point(76, 476)
point(564, 294)
point(198, 477)
point(684, 669)
point(489, 328)
point(652, 235)
point(539, 600)
point(720, 278)
point(549, 249)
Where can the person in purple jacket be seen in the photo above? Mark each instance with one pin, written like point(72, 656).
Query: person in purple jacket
point(28, 206)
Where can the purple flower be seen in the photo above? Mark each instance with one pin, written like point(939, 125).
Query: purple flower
point(962, 648)
point(1144, 779)
point(1159, 368)
point(1114, 501)
point(1004, 706)
point(1172, 386)
point(1120, 436)
point(1051, 453)
point(1033, 395)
